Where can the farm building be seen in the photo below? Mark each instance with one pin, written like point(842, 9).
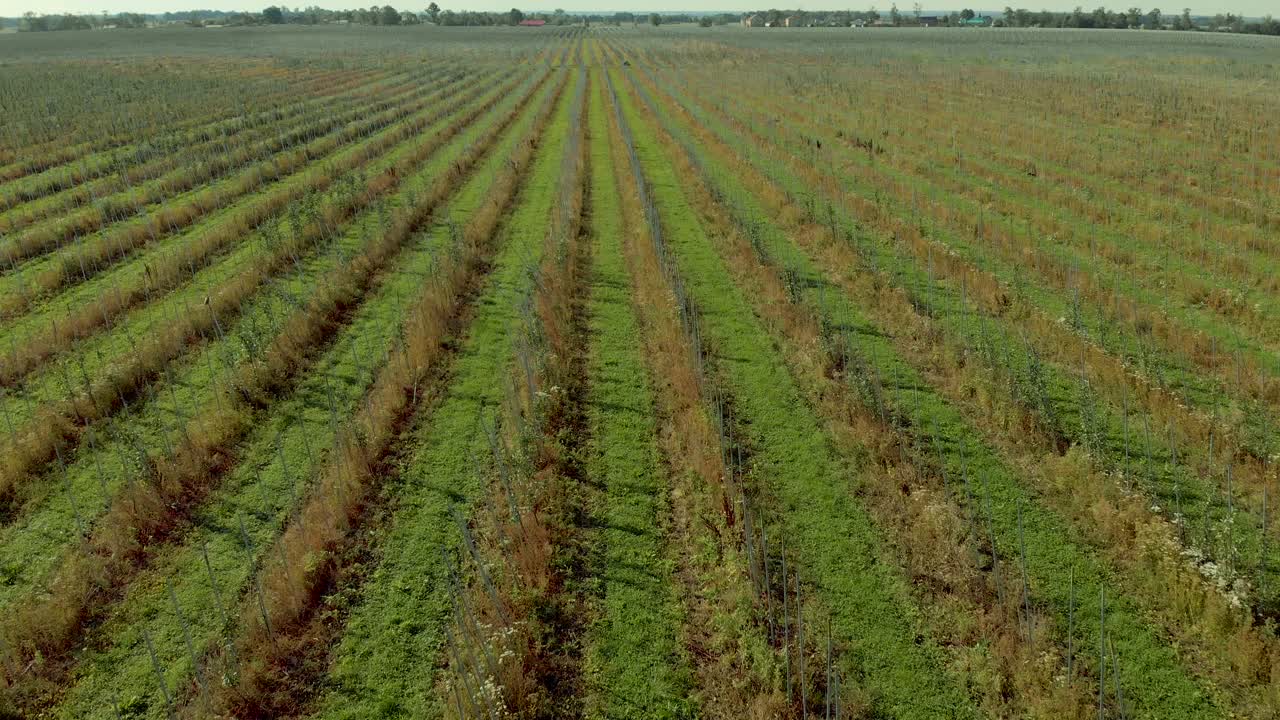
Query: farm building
point(752, 21)
point(793, 21)
point(532, 23)
point(980, 21)
point(928, 20)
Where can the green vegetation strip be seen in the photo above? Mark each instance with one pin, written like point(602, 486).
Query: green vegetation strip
point(1154, 681)
point(385, 665)
point(263, 491)
point(98, 155)
point(279, 158)
point(1134, 447)
point(130, 190)
point(872, 617)
point(1173, 368)
point(30, 548)
point(95, 355)
point(635, 666)
point(29, 203)
point(120, 273)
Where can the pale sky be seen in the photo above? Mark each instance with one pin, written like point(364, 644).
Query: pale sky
point(15, 8)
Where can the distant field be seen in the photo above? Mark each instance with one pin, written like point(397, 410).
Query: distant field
point(354, 372)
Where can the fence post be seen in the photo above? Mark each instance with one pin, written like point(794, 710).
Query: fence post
point(186, 633)
point(159, 673)
point(1102, 648)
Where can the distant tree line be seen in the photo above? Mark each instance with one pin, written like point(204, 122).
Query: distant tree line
point(375, 15)
point(281, 15)
point(30, 22)
point(515, 16)
point(1132, 19)
point(274, 15)
point(1136, 18)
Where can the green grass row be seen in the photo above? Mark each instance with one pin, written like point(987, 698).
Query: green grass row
point(1154, 681)
point(385, 664)
point(76, 292)
point(93, 355)
point(635, 664)
point(276, 465)
point(1165, 364)
point(287, 131)
point(32, 546)
point(1118, 438)
point(829, 534)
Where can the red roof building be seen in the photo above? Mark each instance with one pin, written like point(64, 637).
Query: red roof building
point(533, 23)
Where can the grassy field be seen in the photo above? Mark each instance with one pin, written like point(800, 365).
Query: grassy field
point(353, 372)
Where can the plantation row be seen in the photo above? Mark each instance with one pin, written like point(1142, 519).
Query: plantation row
point(40, 145)
point(923, 301)
point(1246, 459)
point(611, 379)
